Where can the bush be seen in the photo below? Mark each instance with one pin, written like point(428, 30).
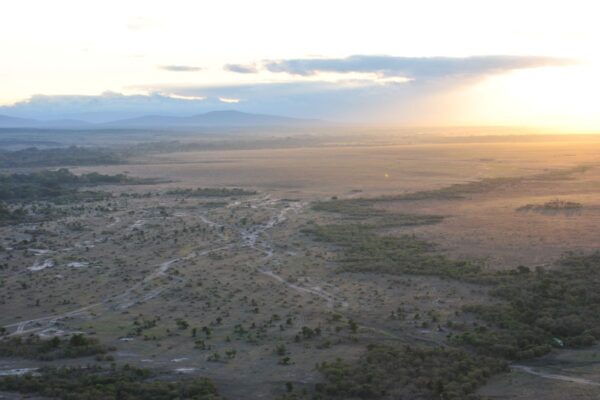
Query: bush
point(77, 383)
point(394, 372)
point(366, 251)
point(540, 309)
point(35, 348)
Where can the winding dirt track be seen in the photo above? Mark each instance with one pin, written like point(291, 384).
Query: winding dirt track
point(556, 377)
point(255, 238)
point(249, 238)
point(124, 300)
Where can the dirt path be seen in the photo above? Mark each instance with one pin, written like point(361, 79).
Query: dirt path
point(125, 300)
point(556, 377)
point(259, 243)
point(254, 238)
point(329, 298)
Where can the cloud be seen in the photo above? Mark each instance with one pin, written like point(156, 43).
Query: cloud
point(241, 68)
point(180, 68)
point(228, 100)
point(413, 67)
point(109, 106)
point(326, 100)
point(432, 92)
point(352, 100)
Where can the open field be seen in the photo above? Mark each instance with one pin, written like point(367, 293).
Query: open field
point(234, 285)
point(376, 169)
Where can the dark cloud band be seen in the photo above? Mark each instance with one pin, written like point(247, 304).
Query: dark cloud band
point(413, 67)
point(241, 68)
point(180, 68)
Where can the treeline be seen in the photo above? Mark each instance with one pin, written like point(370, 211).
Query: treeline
point(461, 190)
point(354, 208)
point(363, 250)
point(96, 383)
point(405, 372)
point(552, 205)
point(233, 143)
point(451, 192)
point(539, 310)
point(534, 312)
point(52, 349)
point(34, 157)
point(362, 209)
point(61, 184)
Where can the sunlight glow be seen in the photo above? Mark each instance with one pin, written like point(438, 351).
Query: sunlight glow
point(226, 100)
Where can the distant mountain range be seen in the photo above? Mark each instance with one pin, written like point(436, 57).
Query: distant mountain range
point(209, 119)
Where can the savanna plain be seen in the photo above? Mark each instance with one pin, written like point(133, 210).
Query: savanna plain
point(380, 266)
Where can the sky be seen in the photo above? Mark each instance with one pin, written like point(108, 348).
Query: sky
point(460, 62)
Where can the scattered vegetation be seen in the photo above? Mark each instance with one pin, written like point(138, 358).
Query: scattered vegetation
point(561, 174)
point(534, 309)
point(14, 213)
point(366, 251)
point(8, 216)
point(34, 157)
point(356, 208)
point(52, 349)
point(555, 205)
point(394, 372)
point(452, 192)
point(363, 209)
point(537, 309)
point(456, 191)
point(540, 309)
point(461, 190)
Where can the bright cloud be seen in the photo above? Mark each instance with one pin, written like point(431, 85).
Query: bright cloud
point(180, 68)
